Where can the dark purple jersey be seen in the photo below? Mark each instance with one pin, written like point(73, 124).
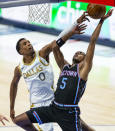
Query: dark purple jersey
point(70, 86)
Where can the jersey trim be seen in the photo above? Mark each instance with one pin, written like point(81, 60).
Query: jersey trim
point(31, 61)
point(76, 121)
point(77, 90)
point(37, 117)
point(78, 70)
point(37, 125)
point(65, 66)
point(52, 87)
point(83, 88)
point(64, 105)
point(32, 105)
point(42, 61)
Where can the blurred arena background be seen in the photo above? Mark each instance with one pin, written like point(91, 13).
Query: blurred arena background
point(97, 104)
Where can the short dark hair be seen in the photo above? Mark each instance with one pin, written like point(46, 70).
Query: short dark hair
point(18, 44)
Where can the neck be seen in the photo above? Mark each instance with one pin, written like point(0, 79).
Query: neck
point(77, 62)
point(28, 58)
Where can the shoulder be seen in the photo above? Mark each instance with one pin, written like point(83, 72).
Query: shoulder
point(17, 70)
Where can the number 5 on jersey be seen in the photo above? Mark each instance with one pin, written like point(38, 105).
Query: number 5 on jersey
point(62, 86)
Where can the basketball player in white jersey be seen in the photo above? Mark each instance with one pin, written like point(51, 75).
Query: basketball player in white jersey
point(37, 72)
point(3, 118)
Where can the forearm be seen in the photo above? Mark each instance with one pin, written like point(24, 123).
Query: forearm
point(96, 33)
point(64, 36)
point(67, 33)
point(58, 56)
point(91, 47)
point(13, 92)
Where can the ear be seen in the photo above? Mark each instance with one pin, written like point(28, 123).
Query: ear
point(21, 52)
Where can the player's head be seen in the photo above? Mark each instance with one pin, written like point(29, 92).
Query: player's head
point(24, 47)
point(78, 57)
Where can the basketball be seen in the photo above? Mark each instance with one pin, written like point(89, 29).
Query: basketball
point(96, 11)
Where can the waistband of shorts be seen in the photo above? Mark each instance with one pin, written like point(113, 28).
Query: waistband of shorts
point(35, 105)
point(65, 106)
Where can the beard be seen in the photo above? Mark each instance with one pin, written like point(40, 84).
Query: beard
point(76, 61)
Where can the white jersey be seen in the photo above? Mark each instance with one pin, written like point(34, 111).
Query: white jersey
point(40, 79)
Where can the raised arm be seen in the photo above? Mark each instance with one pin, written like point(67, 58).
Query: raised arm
point(56, 50)
point(64, 36)
point(87, 64)
point(58, 56)
point(13, 91)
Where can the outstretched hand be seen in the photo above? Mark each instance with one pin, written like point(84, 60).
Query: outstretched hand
point(3, 118)
point(83, 18)
point(107, 15)
point(79, 29)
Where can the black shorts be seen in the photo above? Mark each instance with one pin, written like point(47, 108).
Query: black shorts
point(68, 120)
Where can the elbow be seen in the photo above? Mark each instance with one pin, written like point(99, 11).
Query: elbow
point(55, 47)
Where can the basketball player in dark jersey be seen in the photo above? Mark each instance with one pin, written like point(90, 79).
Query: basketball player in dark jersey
point(70, 87)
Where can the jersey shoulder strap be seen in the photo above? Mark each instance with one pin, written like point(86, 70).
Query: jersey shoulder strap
point(66, 66)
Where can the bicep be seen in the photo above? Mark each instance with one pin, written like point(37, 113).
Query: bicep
point(86, 67)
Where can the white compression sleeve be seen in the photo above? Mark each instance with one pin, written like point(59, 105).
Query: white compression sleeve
point(67, 30)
